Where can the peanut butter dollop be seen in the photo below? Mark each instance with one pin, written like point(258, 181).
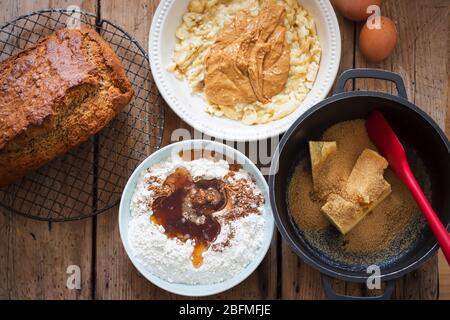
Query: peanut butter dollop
point(250, 60)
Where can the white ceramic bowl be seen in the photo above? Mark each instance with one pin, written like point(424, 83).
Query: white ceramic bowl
point(190, 107)
point(163, 154)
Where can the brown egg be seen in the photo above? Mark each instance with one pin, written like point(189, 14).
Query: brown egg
point(355, 10)
point(377, 44)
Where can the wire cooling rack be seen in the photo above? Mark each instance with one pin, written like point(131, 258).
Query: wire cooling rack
point(90, 178)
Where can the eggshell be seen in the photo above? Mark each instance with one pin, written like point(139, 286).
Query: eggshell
point(355, 10)
point(377, 44)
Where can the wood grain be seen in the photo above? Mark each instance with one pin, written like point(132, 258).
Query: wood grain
point(34, 256)
point(444, 269)
point(421, 59)
point(300, 281)
point(444, 278)
point(116, 277)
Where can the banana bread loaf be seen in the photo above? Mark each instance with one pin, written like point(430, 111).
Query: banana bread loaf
point(55, 95)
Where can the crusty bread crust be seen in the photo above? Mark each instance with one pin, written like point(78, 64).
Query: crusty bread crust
point(54, 96)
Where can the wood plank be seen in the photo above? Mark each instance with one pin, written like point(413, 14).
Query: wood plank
point(444, 278)
point(299, 280)
point(35, 255)
point(5, 228)
point(444, 269)
point(424, 281)
point(421, 59)
point(116, 277)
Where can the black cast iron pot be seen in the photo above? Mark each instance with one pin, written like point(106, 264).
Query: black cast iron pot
point(422, 138)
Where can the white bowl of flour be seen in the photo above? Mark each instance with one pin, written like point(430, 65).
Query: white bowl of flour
point(169, 262)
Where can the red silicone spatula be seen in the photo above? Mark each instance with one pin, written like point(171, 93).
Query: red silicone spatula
point(384, 138)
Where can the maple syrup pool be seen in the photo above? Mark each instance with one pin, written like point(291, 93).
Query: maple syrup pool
point(196, 220)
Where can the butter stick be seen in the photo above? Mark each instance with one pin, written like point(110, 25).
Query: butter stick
point(366, 188)
point(366, 182)
point(320, 151)
point(345, 215)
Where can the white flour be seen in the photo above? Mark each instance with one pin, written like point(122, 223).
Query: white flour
point(171, 259)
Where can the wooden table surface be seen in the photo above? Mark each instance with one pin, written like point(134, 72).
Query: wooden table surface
point(34, 256)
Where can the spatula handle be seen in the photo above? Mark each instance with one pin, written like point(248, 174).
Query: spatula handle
point(436, 225)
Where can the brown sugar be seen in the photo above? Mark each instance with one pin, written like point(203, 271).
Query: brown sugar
point(305, 211)
point(387, 230)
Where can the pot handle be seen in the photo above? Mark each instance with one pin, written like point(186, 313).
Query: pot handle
point(372, 74)
point(332, 295)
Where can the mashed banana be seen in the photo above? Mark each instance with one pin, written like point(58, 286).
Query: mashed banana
point(203, 24)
